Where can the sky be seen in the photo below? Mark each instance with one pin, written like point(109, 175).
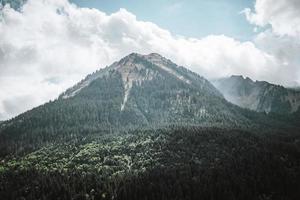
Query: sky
point(48, 46)
point(192, 18)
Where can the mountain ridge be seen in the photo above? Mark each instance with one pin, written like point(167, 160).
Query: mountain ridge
point(259, 96)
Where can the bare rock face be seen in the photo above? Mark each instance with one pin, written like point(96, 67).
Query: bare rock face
point(260, 96)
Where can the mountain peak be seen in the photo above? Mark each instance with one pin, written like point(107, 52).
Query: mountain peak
point(237, 76)
point(129, 67)
point(145, 56)
point(132, 55)
point(137, 69)
point(154, 55)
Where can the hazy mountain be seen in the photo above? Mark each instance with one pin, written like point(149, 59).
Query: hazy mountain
point(260, 96)
point(295, 88)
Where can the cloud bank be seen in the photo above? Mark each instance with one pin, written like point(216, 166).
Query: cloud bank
point(282, 15)
point(281, 37)
point(50, 45)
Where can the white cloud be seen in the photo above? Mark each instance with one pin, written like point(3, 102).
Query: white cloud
point(282, 15)
point(281, 38)
point(286, 49)
point(52, 44)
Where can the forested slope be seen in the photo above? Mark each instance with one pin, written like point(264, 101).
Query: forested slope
point(177, 163)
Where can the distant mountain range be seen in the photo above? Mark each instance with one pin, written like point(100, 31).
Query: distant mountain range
point(259, 96)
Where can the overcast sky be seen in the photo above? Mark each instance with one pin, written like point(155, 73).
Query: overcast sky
point(47, 46)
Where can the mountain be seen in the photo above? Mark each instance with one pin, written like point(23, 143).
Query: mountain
point(146, 128)
point(137, 91)
point(259, 96)
point(147, 89)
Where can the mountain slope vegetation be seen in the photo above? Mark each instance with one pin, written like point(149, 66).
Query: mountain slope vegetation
point(146, 128)
point(175, 163)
